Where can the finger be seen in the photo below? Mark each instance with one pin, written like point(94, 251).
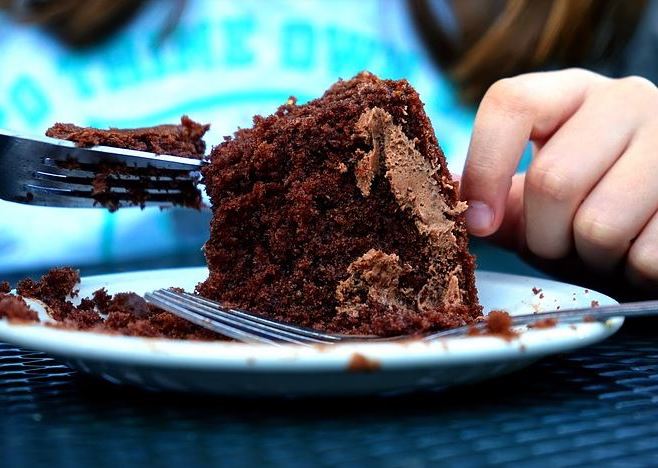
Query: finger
point(513, 111)
point(617, 209)
point(642, 263)
point(570, 164)
point(511, 233)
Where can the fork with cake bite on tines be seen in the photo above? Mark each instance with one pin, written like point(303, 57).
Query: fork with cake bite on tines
point(83, 167)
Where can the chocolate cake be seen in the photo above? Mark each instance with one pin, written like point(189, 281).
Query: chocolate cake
point(184, 140)
point(341, 215)
point(123, 313)
point(15, 309)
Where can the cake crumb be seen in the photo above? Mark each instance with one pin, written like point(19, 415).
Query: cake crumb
point(499, 323)
point(124, 313)
point(536, 291)
point(589, 319)
point(16, 310)
point(102, 300)
point(360, 363)
point(53, 287)
point(541, 295)
point(544, 323)
point(594, 304)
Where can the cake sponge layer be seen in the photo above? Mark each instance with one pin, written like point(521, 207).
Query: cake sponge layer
point(340, 214)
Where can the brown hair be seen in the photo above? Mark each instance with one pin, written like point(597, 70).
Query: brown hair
point(496, 38)
point(81, 23)
point(503, 38)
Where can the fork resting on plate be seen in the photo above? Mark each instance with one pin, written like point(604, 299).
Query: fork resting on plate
point(251, 328)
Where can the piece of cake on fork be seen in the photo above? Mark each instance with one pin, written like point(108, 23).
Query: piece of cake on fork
point(183, 140)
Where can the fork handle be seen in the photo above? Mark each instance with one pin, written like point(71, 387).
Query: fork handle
point(598, 314)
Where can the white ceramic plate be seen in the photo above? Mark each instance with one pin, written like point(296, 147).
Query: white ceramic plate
point(355, 368)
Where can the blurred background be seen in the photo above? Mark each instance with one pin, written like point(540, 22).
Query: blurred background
point(130, 63)
point(221, 62)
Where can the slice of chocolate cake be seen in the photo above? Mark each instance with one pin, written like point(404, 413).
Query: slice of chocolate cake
point(341, 215)
point(184, 140)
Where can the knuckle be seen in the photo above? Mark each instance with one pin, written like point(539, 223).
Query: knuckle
point(510, 94)
point(550, 184)
point(552, 249)
point(595, 230)
point(636, 92)
point(577, 73)
point(644, 261)
point(482, 166)
point(483, 172)
point(637, 84)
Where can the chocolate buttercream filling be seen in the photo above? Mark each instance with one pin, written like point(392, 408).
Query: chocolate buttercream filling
point(374, 277)
point(413, 182)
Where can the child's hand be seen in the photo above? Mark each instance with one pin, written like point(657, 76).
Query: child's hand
point(593, 183)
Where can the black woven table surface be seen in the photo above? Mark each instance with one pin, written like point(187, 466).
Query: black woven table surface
point(597, 405)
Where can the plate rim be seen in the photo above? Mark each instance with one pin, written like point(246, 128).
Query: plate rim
point(167, 353)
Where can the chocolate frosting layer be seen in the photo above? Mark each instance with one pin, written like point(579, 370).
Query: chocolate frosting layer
point(411, 177)
point(373, 278)
point(413, 181)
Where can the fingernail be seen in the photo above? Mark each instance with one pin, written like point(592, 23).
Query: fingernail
point(479, 217)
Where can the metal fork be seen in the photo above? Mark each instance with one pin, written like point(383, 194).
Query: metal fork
point(250, 328)
point(236, 323)
point(51, 172)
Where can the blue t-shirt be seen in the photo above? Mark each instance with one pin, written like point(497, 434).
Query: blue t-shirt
point(224, 62)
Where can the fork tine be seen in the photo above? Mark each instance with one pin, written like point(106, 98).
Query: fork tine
point(76, 169)
point(91, 172)
point(216, 311)
point(86, 192)
point(153, 185)
point(59, 196)
point(284, 327)
point(210, 324)
point(128, 181)
point(136, 159)
point(55, 187)
point(236, 322)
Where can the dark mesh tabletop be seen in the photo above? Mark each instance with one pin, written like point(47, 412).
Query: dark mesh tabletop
point(596, 405)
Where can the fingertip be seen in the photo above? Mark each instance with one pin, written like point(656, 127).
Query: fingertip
point(479, 218)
